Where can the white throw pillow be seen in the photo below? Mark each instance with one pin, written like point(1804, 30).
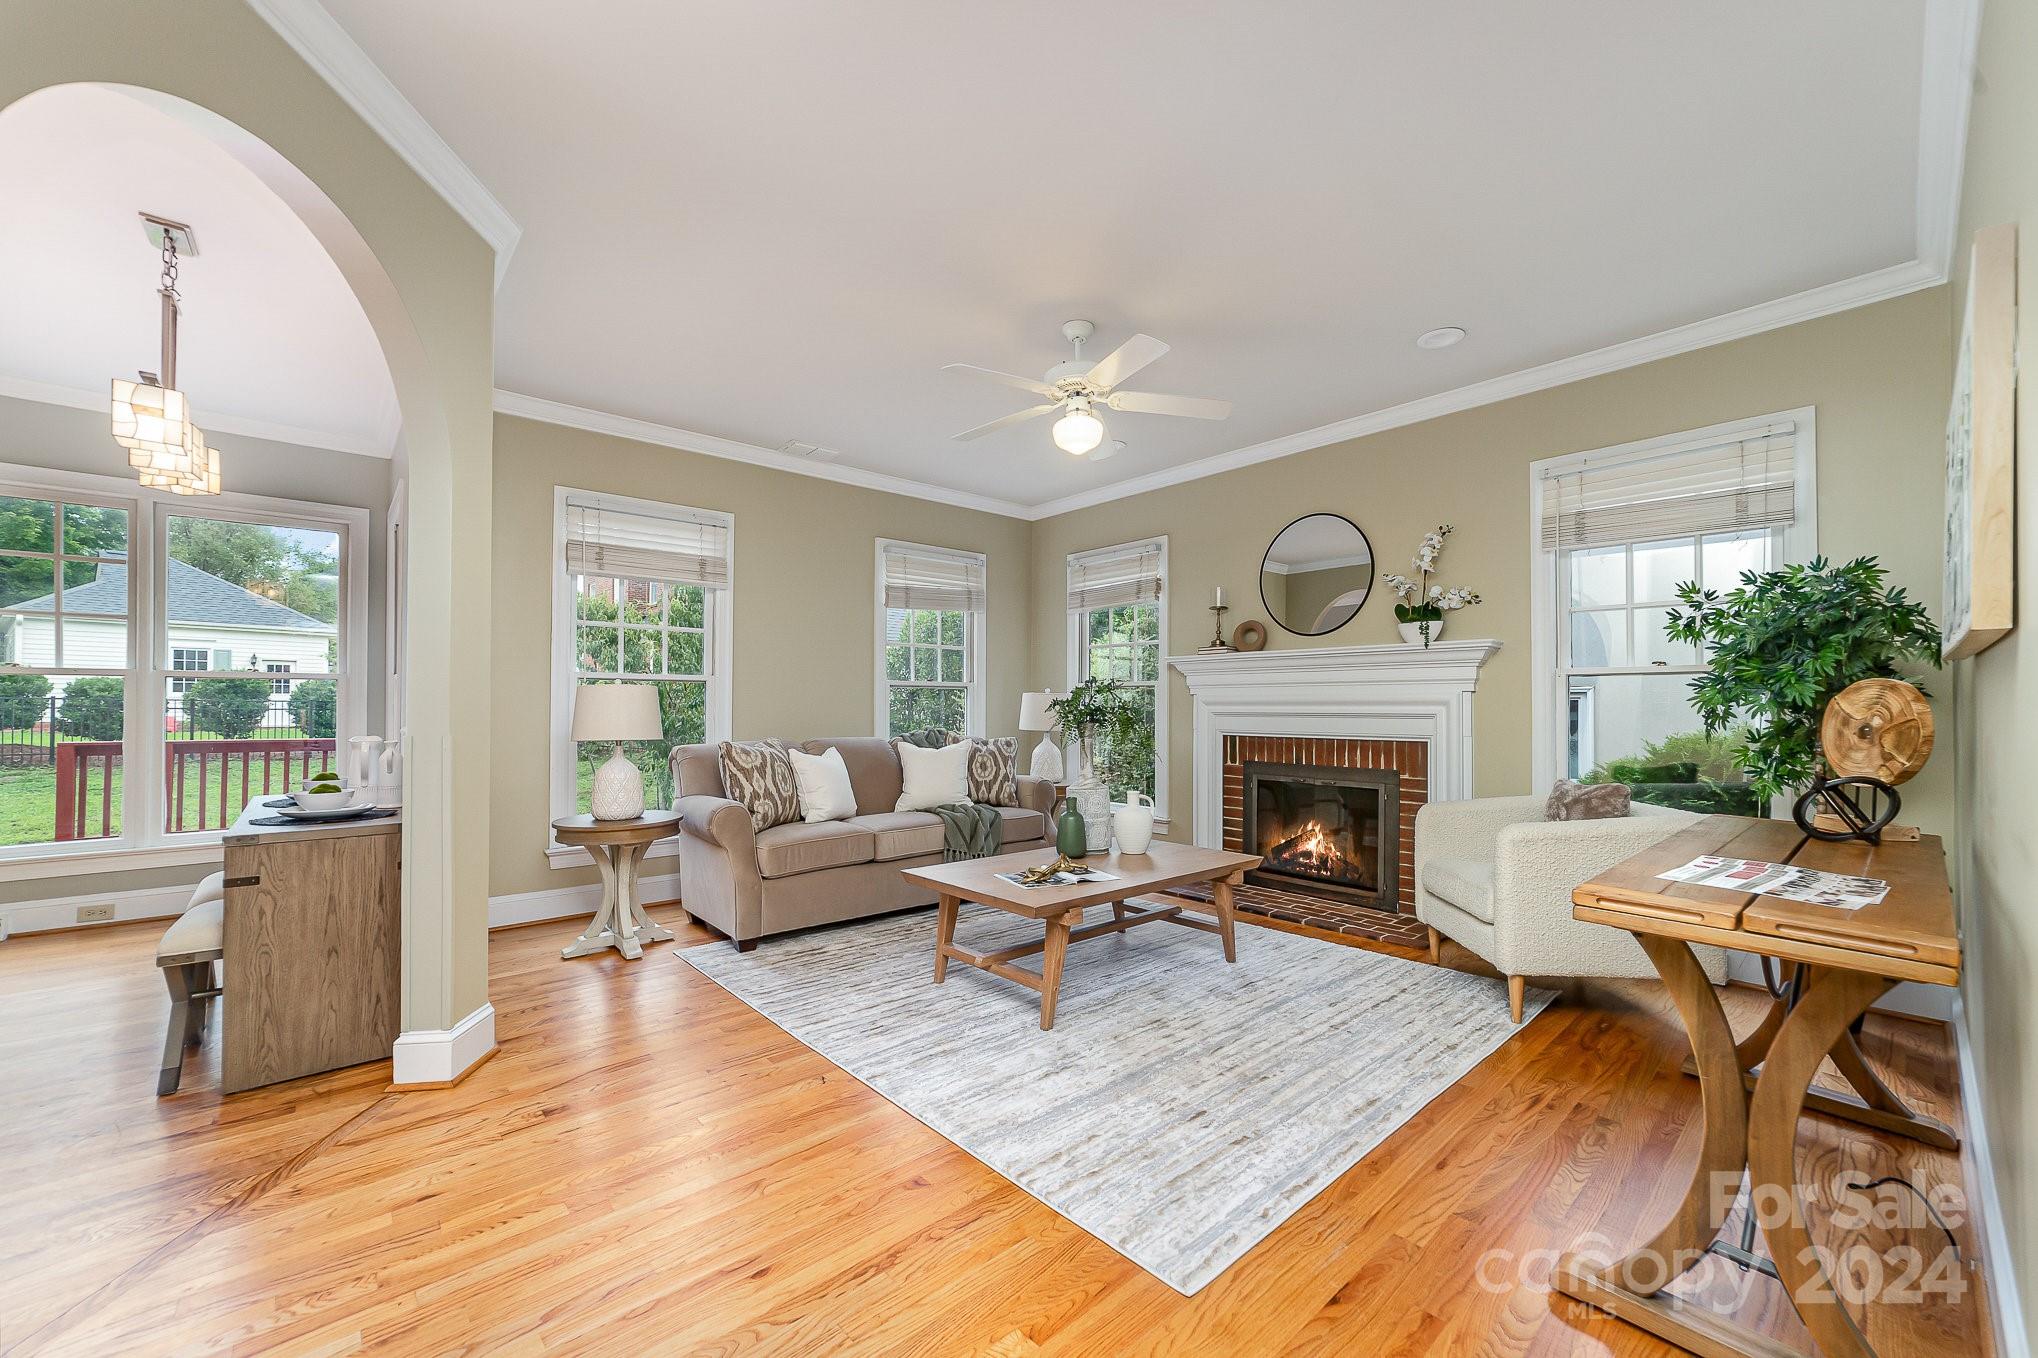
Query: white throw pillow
point(825, 793)
point(933, 777)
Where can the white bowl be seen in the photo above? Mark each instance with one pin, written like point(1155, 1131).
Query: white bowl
point(322, 801)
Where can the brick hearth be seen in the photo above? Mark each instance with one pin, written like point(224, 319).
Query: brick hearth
point(1408, 758)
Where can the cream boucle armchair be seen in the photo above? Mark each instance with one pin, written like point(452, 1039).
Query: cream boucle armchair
point(1495, 877)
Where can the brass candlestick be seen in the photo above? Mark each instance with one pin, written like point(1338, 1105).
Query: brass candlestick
point(1217, 641)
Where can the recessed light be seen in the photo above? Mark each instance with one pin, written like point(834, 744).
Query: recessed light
point(1443, 337)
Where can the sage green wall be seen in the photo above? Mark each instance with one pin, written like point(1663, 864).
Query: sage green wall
point(1877, 375)
point(805, 601)
point(1998, 689)
point(62, 439)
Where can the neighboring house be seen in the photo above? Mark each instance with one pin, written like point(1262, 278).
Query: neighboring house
point(213, 625)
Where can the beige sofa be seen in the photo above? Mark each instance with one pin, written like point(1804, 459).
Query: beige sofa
point(788, 877)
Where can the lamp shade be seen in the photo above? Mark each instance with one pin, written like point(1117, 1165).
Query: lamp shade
point(1033, 713)
point(616, 712)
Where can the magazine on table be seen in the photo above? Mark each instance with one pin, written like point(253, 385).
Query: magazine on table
point(1780, 879)
point(1059, 879)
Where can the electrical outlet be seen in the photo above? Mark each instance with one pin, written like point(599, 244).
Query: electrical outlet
point(95, 914)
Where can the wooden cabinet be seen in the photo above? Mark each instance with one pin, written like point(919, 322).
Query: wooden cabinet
point(312, 947)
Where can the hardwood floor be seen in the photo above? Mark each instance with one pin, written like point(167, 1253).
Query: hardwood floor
point(648, 1166)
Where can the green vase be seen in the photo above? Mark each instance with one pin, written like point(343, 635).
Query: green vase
point(1071, 836)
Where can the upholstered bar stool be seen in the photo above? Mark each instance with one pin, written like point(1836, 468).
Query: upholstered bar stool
point(188, 956)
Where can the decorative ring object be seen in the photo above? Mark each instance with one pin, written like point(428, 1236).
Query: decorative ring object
point(1249, 635)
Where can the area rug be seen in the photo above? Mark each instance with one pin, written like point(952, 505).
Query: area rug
point(1181, 1108)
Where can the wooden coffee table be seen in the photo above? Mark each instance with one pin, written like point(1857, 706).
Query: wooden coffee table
point(1060, 908)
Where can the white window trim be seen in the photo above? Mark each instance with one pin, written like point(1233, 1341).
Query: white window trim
point(721, 665)
point(144, 844)
point(976, 628)
point(1550, 695)
point(1077, 650)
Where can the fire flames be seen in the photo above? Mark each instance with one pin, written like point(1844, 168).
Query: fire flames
point(1312, 850)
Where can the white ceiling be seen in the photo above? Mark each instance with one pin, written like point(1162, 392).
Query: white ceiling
point(776, 222)
point(272, 342)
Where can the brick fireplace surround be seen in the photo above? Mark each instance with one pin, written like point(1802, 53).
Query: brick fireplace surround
point(1409, 758)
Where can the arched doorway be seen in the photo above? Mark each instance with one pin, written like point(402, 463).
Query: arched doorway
point(425, 282)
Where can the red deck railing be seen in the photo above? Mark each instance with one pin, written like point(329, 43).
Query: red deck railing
point(205, 782)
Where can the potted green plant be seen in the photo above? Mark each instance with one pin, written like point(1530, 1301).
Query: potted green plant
point(1094, 709)
point(1423, 605)
point(1782, 644)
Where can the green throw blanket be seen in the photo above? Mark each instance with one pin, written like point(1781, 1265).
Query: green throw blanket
point(970, 829)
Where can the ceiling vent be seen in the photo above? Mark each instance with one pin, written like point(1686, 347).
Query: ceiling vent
point(812, 452)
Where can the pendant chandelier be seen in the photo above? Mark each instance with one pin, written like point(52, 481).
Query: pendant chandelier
point(151, 418)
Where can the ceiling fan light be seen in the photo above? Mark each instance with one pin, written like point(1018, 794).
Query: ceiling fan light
point(1078, 432)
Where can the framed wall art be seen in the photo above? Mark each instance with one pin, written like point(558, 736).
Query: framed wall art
point(1981, 455)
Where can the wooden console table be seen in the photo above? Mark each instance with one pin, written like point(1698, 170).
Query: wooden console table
point(1844, 962)
point(312, 943)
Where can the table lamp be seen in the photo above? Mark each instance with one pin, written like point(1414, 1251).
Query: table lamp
point(1034, 716)
point(616, 713)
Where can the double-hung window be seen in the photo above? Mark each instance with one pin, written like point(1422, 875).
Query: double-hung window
point(140, 630)
point(930, 639)
point(1618, 531)
point(642, 596)
point(1117, 630)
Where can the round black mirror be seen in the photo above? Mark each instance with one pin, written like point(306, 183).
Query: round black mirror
point(1316, 574)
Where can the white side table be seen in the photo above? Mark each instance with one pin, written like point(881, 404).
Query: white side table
point(617, 847)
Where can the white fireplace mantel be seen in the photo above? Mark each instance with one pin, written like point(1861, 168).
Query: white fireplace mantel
point(1334, 692)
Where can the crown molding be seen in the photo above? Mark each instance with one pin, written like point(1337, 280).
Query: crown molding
point(1951, 46)
point(328, 49)
point(50, 394)
point(1804, 306)
point(686, 440)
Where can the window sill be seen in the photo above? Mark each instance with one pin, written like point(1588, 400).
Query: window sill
point(77, 862)
point(559, 857)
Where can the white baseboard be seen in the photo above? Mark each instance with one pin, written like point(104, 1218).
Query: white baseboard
point(570, 902)
point(2005, 1303)
point(1919, 1001)
point(61, 912)
point(438, 1056)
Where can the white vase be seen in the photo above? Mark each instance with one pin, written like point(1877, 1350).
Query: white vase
point(1411, 632)
point(1133, 822)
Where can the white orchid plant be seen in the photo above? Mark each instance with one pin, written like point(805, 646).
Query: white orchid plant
point(1424, 603)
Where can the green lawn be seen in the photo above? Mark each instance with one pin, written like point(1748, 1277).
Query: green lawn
point(28, 797)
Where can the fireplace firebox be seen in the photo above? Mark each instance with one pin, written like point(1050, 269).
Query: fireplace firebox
point(1335, 832)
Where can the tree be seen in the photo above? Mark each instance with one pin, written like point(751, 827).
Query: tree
point(24, 700)
point(261, 560)
point(229, 708)
point(314, 704)
point(93, 709)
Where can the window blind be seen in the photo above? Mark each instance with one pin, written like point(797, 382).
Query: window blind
point(920, 578)
point(1130, 575)
point(680, 550)
point(1720, 485)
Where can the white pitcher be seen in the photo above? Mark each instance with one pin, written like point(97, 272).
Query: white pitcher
point(1133, 822)
point(365, 766)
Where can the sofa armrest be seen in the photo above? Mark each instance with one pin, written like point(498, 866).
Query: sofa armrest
point(719, 821)
point(1037, 794)
point(1468, 829)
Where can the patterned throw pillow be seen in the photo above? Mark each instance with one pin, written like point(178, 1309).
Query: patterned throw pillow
point(759, 774)
point(1586, 801)
point(993, 771)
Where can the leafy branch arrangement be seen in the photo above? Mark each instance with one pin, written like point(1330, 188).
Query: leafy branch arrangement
point(1099, 707)
point(1780, 647)
point(1422, 602)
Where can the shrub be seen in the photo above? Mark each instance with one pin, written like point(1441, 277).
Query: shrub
point(231, 708)
point(92, 708)
point(314, 705)
point(24, 700)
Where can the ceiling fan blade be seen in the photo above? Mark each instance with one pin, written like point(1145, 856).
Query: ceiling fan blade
point(1127, 359)
point(1009, 379)
point(1007, 421)
point(1148, 403)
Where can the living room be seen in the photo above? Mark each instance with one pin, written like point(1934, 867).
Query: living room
point(678, 633)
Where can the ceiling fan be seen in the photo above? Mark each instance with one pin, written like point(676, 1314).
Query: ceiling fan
point(1080, 389)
